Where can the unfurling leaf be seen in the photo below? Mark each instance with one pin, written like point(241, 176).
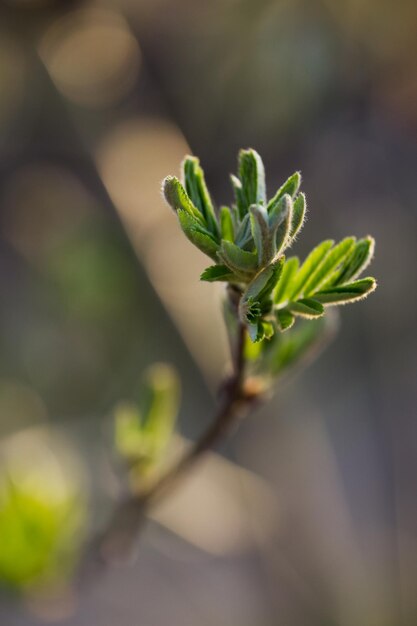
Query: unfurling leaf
point(195, 186)
point(279, 211)
point(261, 234)
point(357, 261)
point(243, 235)
point(263, 284)
point(308, 267)
point(227, 227)
point(218, 273)
point(328, 264)
point(350, 292)
point(178, 199)
point(306, 307)
point(282, 233)
point(252, 176)
point(291, 187)
point(285, 319)
point(238, 192)
point(197, 234)
point(284, 284)
point(298, 215)
point(238, 260)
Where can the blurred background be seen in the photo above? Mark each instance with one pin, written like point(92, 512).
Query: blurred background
point(309, 515)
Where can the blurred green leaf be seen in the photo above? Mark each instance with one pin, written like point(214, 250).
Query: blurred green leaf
point(295, 346)
point(41, 516)
point(128, 432)
point(144, 430)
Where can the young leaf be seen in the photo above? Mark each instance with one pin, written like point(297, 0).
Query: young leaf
point(285, 319)
point(328, 264)
point(195, 186)
point(298, 215)
point(243, 235)
point(238, 192)
point(306, 307)
point(291, 186)
point(226, 224)
point(308, 267)
point(279, 212)
point(178, 199)
point(219, 273)
point(288, 272)
point(197, 234)
point(261, 234)
point(263, 284)
point(350, 292)
point(237, 259)
point(356, 262)
point(252, 176)
point(282, 236)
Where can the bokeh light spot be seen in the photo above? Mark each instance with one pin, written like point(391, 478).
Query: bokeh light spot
point(92, 57)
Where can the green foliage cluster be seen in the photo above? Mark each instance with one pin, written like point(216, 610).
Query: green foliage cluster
point(248, 242)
